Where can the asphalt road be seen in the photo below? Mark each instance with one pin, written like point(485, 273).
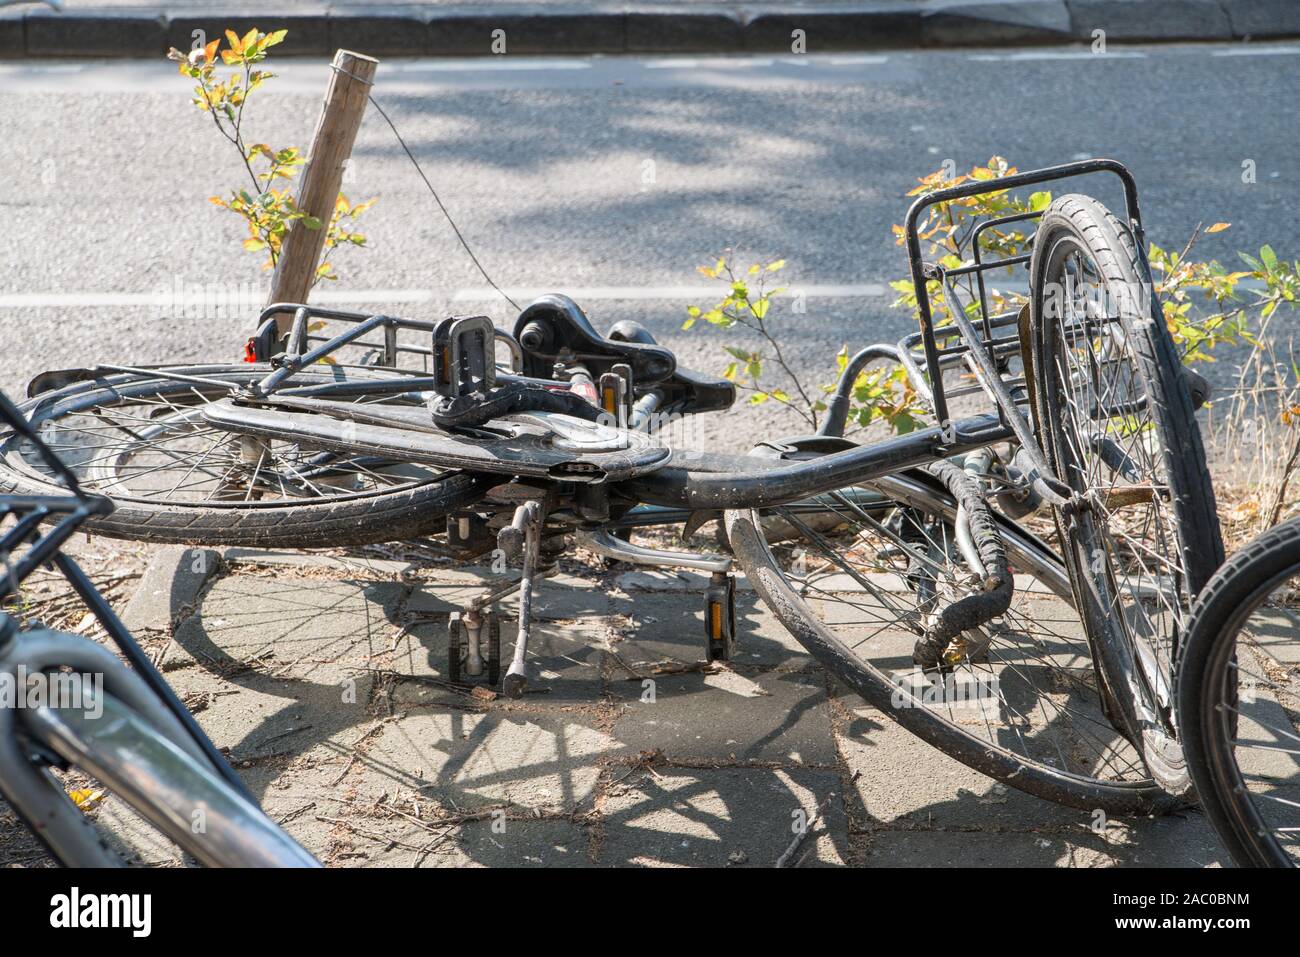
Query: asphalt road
point(546, 166)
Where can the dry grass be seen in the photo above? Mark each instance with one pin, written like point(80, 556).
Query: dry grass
point(1252, 436)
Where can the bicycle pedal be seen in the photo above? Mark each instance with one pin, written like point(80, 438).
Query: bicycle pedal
point(457, 646)
point(720, 617)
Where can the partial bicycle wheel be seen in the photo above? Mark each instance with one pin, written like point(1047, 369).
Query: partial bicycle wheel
point(1117, 425)
point(858, 575)
point(141, 440)
point(1239, 700)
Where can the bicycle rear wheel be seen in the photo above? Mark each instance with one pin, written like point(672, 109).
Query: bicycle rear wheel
point(1239, 700)
point(140, 440)
point(1117, 425)
point(1018, 699)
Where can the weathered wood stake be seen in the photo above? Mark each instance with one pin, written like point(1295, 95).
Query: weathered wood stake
point(318, 188)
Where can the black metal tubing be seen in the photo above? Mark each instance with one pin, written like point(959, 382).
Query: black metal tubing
point(702, 481)
point(837, 409)
point(45, 544)
point(920, 272)
point(139, 661)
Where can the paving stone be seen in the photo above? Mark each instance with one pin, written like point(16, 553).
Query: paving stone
point(170, 587)
point(1150, 20)
point(557, 597)
point(670, 628)
point(549, 761)
point(702, 817)
point(100, 33)
point(306, 23)
point(903, 780)
point(1267, 737)
point(543, 843)
point(571, 618)
point(134, 838)
point(729, 717)
point(662, 579)
point(980, 849)
point(1277, 632)
point(971, 22)
point(1263, 18)
point(254, 716)
point(1176, 840)
point(315, 561)
point(13, 43)
point(564, 661)
point(318, 630)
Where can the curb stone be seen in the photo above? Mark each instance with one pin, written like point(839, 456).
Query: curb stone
point(1151, 20)
point(386, 30)
point(173, 580)
point(967, 22)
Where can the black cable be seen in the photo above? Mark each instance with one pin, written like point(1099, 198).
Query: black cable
point(456, 229)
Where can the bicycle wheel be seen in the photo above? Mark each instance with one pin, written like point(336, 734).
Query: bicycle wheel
point(1239, 700)
point(1018, 699)
point(140, 440)
point(1117, 426)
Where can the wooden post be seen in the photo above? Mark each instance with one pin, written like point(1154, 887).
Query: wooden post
point(318, 189)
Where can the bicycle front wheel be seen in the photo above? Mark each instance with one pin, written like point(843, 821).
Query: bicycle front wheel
point(1239, 700)
point(1018, 699)
point(1117, 425)
point(140, 439)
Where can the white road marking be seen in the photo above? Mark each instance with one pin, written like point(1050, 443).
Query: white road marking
point(1253, 50)
point(1057, 55)
point(708, 63)
point(659, 293)
point(90, 300)
point(866, 59)
point(485, 65)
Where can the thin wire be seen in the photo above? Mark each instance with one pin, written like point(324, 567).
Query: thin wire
point(433, 192)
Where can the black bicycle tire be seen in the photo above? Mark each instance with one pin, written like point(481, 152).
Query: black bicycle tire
point(1199, 539)
point(1222, 609)
point(366, 518)
point(750, 547)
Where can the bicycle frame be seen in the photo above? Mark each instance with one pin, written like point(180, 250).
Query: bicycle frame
point(708, 481)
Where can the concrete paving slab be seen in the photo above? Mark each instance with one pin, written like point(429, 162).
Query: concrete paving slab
point(672, 580)
point(564, 661)
point(779, 717)
point(980, 849)
point(546, 761)
point(505, 843)
point(713, 817)
point(314, 629)
point(342, 565)
point(1277, 632)
point(1176, 840)
point(170, 587)
point(906, 782)
point(669, 627)
point(255, 717)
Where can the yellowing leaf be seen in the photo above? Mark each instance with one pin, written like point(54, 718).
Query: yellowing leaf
point(1218, 227)
point(86, 798)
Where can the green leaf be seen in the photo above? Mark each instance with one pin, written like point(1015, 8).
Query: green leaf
point(1040, 201)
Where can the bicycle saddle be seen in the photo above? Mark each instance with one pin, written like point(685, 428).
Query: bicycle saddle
point(554, 329)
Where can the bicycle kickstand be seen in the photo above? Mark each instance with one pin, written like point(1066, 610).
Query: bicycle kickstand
point(524, 535)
